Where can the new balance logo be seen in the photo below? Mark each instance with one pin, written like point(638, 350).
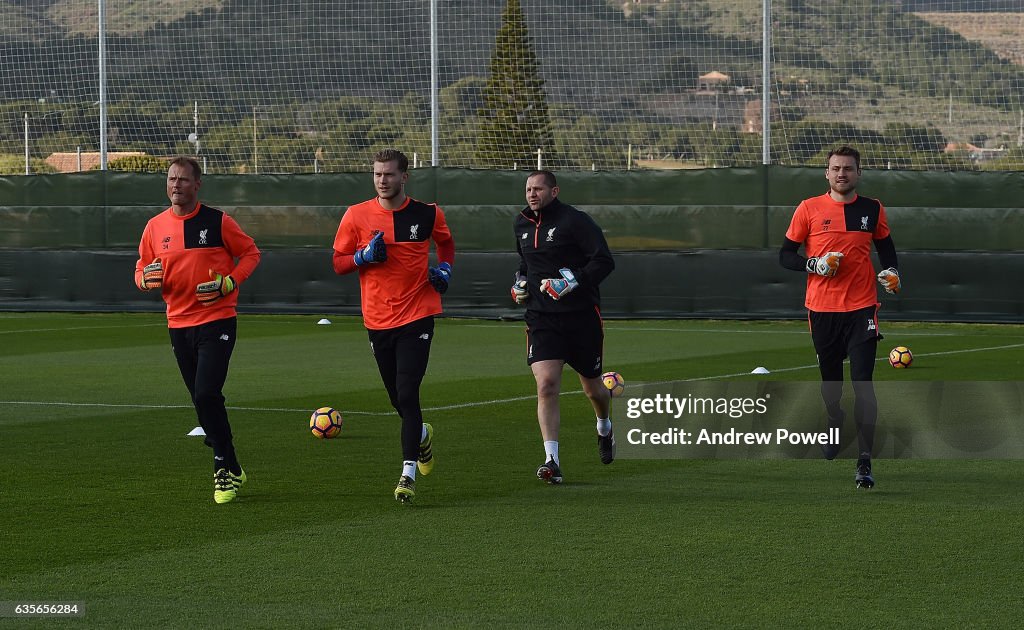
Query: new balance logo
point(524, 236)
point(414, 232)
point(202, 236)
point(224, 337)
point(425, 336)
point(871, 324)
point(551, 235)
point(166, 242)
point(826, 225)
point(597, 364)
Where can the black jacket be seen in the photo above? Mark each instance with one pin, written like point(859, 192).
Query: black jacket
point(557, 236)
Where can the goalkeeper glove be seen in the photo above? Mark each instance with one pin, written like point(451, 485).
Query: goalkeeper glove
point(890, 280)
point(520, 293)
point(827, 265)
point(210, 292)
point(557, 288)
point(374, 252)
point(439, 277)
point(152, 275)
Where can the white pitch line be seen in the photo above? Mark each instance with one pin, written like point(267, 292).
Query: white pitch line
point(724, 331)
point(35, 330)
point(479, 403)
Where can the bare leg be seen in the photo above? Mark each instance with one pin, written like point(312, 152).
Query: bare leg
point(548, 375)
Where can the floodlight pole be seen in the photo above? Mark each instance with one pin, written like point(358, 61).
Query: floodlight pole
point(766, 82)
point(103, 84)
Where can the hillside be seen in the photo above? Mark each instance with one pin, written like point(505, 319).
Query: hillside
point(606, 49)
point(349, 75)
point(1003, 33)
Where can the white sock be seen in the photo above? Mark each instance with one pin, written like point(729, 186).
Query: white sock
point(423, 434)
point(551, 450)
point(604, 426)
point(409, 469)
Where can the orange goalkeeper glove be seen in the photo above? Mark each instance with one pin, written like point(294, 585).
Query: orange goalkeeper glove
point(890, 280)
point(152, 275)
point(210, 292)
point(826, 265)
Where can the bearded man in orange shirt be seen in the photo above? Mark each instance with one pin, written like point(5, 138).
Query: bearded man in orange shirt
point(837, 230)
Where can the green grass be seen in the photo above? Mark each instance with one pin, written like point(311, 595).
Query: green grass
point(104, 500)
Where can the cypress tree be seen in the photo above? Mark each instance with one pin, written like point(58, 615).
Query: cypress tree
point(514, 117)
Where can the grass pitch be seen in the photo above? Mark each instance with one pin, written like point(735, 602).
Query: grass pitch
point(105, 501)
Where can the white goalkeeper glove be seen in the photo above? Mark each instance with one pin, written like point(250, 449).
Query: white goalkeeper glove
point(890, 280)
point(152, 275)
point(557, 288)
point(210, 292)
point(520, 292)
point(826, 265)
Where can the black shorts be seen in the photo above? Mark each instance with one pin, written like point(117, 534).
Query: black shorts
point(576, 337)
point(834, 334)
point(413, 339)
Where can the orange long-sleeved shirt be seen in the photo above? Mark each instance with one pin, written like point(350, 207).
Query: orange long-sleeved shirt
point(826, 225)
point(397, 291)
point(189, 247)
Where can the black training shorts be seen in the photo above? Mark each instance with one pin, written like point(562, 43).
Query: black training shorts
point(836, 334)
point(576, 337)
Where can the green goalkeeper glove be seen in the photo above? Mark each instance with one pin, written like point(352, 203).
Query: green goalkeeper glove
point(210, 292)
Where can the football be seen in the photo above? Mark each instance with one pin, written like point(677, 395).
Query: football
point(325, 423)
point(613, 381)
point(900, 357)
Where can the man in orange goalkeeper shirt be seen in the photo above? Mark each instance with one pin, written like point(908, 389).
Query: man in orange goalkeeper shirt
point(837, 230)
point(387, 241)
point(197, 257)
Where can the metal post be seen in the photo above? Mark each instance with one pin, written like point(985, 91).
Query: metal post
point(103, 84)
point(195, 125)
point(766, 83)
point(255, 149)
point(78, 154)
point(28, 171)
point(539, 166)
point(433, 84)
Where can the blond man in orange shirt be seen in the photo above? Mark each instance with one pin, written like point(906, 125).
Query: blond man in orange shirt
point(197, 256)
point(386, 240)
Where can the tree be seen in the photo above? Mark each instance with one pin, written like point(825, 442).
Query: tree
point(138, 164)
point(514, 116)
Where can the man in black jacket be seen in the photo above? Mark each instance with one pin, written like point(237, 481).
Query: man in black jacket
point(563, 257)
